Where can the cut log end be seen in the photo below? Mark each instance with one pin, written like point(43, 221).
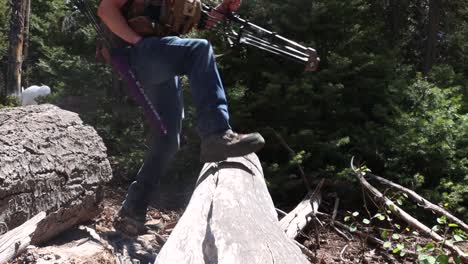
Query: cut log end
point(49, 161)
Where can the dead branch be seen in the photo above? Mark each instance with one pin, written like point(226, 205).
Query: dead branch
point(335, 209)
point(292, 153)
point(410, 220)
point(421, 201)
point(342, 252)
point(305, 250)
point(294, 222)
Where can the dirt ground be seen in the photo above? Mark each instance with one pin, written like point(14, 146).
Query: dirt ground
point(98, 242)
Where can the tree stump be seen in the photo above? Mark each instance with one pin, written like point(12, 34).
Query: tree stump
point(49, 161)
point(230, 219)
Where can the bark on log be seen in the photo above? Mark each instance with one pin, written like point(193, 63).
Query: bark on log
point(49, 161)
point(15, 241)
point(230, 219)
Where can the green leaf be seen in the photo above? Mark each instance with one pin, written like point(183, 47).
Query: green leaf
point(442, 259)
point(398, 248)
point(352, 228)
point(399, 202)
point(457, 238)
point(453, 225)
point(426, 259)
point(366, 221)
point(384, 234)
point(442, 220)
point(347, 218)
point(379, 216)
point(395, 236)
point(355, 214)
point(429, 246)
point(398, 226)
point(435, 228)
point(387, 244)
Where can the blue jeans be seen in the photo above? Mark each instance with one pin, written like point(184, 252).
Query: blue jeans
point(157, 63)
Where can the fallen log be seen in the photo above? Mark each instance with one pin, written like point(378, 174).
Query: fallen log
point(15, 241)
point(49, 161)
point(230, 219)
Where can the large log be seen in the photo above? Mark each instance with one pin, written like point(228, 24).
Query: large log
point(49, 161)
point(16, 240)
point(230, 219)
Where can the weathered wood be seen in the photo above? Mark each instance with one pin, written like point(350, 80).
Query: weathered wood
point(15, 241)
point(409, 219)
point(421, 201)
point(49, 161)
point(294, 222)
point(230, 219)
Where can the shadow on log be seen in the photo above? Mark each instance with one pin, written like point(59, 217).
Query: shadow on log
point(49, 161)
point(230, 219)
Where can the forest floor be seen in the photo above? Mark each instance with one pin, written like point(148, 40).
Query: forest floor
point(98, 242)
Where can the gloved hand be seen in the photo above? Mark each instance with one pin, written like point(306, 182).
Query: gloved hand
point(231, 5)
point(218, 13)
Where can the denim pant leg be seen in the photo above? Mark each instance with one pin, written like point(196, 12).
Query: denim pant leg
point(167, 98)
point(158, 59)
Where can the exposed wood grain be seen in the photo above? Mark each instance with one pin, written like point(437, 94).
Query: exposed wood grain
point(296, 220)
point(15, 241)
point(230, 219)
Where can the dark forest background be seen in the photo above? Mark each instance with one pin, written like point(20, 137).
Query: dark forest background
point(392, 91)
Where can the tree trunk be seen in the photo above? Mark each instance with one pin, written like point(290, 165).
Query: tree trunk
point(49, 161)
point(27, 19)
point(432, 31)
point(15, 50)
point(230, 219)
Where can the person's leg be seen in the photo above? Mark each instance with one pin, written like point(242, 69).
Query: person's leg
point(167, 98)
point(169, 56)
point(157, 59)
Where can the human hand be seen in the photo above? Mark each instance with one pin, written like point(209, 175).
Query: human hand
point(231, 5)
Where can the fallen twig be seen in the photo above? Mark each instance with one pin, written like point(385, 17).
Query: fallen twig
point(421, 201)
point(413, 222)
point(98, 238)
point(342, 252)
point(335, 209)
point(305, 250)
point(281, 211)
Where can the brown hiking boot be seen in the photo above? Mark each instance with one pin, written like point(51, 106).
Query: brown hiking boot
point(130, 225)
point(221, 146)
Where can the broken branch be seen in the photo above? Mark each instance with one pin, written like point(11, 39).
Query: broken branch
point(420, 200)
point(410, 220)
